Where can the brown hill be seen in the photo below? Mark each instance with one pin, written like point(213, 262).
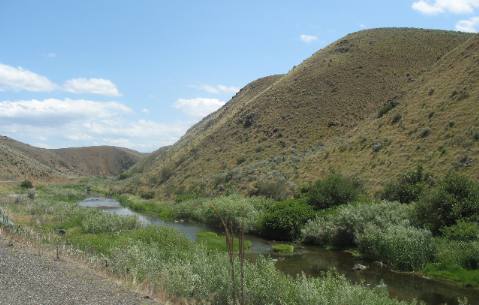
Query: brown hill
point(435, 124)
point(281, 129)
point(19, 160)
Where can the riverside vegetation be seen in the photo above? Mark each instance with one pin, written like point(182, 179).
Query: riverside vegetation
point(433, 231)
point(417, 223)
point(167, 262)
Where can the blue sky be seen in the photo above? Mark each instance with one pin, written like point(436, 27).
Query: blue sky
point(139, 73)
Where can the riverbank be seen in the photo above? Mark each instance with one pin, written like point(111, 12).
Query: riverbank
point(337, 228)
point(313, 260)
point(167, 262)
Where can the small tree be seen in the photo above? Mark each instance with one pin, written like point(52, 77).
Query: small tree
point(237, 217)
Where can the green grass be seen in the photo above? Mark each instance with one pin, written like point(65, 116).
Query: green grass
point(283, 248)
point(214, 241)
point(454, 273)
point(159, 209)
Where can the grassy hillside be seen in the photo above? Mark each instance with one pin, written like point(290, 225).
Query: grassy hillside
point(19, 161)
point(435, 124)
point(323, 115)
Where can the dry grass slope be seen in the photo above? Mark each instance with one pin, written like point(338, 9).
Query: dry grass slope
point(323, 114)
point(19, 161)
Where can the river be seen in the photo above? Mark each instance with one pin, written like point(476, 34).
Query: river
point(314, 260)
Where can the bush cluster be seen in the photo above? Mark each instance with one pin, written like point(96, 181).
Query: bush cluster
point(409, 187)
point(454, 198)
point(284, 220)
point(26, 184)
point(462, 231)
point(457, 253)
point(334, 190)
point(99, 222)
point(339, 228)
point(402, 247)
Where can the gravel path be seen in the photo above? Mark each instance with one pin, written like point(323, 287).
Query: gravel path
point(26, 278)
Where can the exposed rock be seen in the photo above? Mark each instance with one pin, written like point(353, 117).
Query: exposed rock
point(377, 147)
point(359, 267)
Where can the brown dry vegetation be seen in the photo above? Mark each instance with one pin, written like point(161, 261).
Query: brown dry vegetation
point(283, 130)
point(20, 161)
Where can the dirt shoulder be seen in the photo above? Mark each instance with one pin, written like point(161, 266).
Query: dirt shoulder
point(28, 278)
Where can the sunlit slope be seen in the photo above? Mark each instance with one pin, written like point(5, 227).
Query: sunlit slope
point(277, 128)
point(436, 124)
point(20, 161)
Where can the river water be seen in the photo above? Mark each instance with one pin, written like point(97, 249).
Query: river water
point(315, 260)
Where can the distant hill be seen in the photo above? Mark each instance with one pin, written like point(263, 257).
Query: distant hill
point(19, 161)
point(371, 104)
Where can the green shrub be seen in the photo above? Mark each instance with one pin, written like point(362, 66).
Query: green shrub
point(275, 188)
point(100, 222)
point(165, 173)
point(334, 190)
point(404, 248)
point(284, 220)
point(123, 176)
point(26, 184)
point(462, 231)
point(408, 187)
point(454, 198)
point(388, 106)
point(457, 253)
point(147, 194)
point(340, 227)
point(233, 209)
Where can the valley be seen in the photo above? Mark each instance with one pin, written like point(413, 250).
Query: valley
point(351, 179)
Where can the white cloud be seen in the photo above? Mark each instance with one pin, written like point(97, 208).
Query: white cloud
point(17, 79)
point(218, 89)
point(470, 25)
point(66, 122)
point(91, 85)
point(20, 79)
point(56, 111)
point(445, 6)
point(308, 38)
point(198, 107)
